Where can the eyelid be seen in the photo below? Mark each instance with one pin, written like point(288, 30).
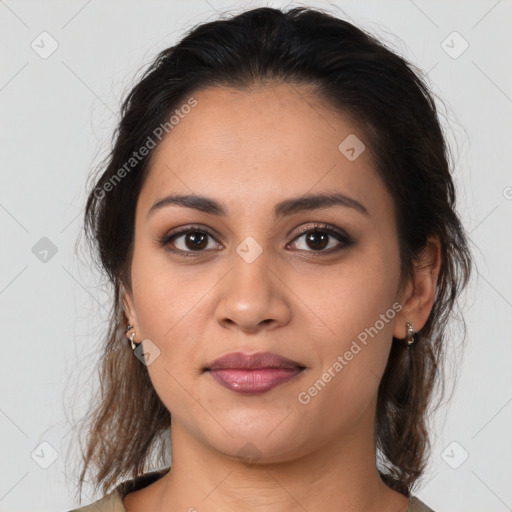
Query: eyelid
point(317, 226)
point(181, 230)
point(343, 237)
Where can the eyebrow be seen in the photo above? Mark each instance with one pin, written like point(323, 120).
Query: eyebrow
point(282, 209)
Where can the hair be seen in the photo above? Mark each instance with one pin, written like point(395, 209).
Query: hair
point(355, 75)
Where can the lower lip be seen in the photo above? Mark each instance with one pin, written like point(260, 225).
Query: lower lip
point(253, 382)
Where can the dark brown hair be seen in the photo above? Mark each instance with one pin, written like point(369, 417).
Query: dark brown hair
point(354, 74)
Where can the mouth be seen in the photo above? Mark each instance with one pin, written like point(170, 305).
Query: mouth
point(252, 374)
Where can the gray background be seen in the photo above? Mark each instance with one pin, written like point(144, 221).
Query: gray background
point(57, 116)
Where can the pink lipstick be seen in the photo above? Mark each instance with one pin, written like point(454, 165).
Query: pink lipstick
point(252, 374)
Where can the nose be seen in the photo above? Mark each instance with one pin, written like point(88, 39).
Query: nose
point(253, 297)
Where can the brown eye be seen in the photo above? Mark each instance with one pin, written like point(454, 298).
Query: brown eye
point(321, 239)
point(188, 241)
point(196, 240)
point(324, 239)
point(317, 240)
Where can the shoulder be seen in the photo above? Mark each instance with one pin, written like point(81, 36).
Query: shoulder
point(416, 505)
point(113, 501)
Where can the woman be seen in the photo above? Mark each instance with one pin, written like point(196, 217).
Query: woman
point(277, 218)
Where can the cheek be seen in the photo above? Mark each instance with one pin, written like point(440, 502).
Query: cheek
point(355, 320)
point(167, 311)
point(162, 297)
point(171, 311)
point(352, 297)
point(166, 308)
point(352, 363)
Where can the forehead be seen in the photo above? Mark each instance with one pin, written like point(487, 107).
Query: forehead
point(271, 141)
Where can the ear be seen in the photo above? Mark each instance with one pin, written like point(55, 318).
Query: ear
point(128, 305)
point(419, 294)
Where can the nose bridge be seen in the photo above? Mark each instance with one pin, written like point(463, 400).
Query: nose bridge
point(252, 296)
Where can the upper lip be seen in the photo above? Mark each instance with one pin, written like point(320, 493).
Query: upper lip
point(240, 360)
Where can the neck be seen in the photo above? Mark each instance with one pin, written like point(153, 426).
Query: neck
point(339, 475)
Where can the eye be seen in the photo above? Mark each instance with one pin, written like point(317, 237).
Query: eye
point(320, 236)
point(188, 241)
point(195, 240)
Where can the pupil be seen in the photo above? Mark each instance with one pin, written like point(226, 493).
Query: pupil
point(197, 240)
point(314, 238)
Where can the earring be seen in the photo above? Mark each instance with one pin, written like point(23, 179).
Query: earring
point(411, 334)
point(133, 343)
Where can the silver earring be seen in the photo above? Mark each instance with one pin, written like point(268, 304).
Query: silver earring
point(411, 334)
point(133, 343)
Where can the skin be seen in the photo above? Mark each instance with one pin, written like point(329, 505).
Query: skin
point(250, 150)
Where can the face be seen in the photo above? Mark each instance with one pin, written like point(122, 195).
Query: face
point(314, 283)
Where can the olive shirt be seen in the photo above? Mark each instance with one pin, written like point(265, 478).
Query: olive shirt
point(113, 501)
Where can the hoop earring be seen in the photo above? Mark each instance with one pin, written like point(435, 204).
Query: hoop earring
point(411, 335)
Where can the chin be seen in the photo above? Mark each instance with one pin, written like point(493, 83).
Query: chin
point(260, 445)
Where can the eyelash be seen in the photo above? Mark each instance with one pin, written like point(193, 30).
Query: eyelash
point(345, 240)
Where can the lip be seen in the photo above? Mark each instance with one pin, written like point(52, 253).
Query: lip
point(251, 374)
point(259, 360)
